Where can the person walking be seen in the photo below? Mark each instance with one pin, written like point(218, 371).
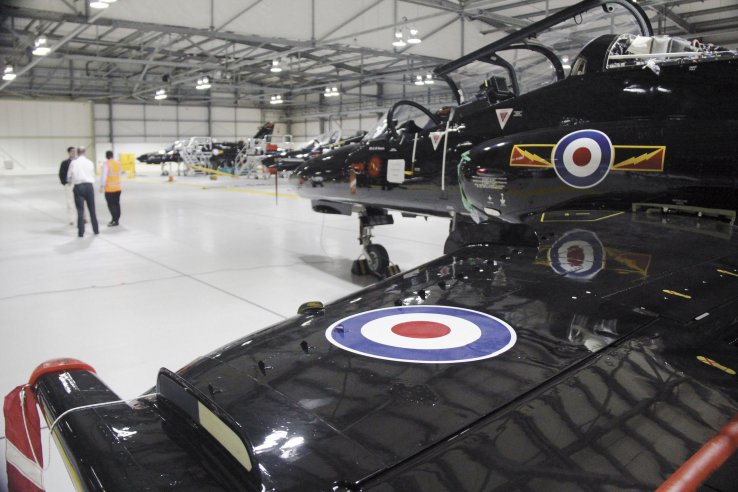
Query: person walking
point(82, 176)
point(68, 192)
point(110, 184)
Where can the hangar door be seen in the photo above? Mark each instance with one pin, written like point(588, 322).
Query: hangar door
point(34, 135)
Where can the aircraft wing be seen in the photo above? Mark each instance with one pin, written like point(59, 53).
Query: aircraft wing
point(593, 351)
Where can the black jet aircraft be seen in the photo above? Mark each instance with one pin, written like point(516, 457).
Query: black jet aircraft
point(289, 160)
point(638, 118)
point(585, 344)
point(589, 350)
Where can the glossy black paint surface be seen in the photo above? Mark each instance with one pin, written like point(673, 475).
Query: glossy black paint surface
point(602, 390)
point(672, 128)
point(689, 110)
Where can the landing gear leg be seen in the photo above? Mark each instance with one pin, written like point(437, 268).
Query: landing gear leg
point(375, 257)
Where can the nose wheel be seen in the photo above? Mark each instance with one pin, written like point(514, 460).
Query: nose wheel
point(374, 259)
point(377, 258)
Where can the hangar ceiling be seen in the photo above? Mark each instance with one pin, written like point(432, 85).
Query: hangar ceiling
point(134, 48)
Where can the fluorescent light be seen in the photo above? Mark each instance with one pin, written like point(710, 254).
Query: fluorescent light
point(429, 79)
point(419, 80)
point(99, 5)
point(203, 83)
point(331, 92)
point(41, 47)
point(160, 94)
point(276, 99)
point(399, 42)
point(275, 66)
point(9, 74)
point(413, 38)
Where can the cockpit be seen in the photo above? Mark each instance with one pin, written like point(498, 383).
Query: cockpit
point(495, 89)
point(612, 52)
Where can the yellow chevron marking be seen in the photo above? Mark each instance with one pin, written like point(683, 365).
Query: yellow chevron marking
point(716, 365)
point(643, 157)
point(675, 293)
point(531, 156)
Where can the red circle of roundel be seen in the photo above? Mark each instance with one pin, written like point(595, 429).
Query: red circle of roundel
point(375, 166)
point(423, 334)
point(421, 329)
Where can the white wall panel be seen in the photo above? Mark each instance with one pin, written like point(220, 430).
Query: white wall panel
point(35, 139)
point(248, 114)
point(158, 129)
point(161, 112)
point(193, 113)
point(128, 111)
point(101, 111)
point(225, 114)
point(223, 130)
point(126, 128)
point(246, 130)
point(102, 130)
point(193, 129)
point(350, 126)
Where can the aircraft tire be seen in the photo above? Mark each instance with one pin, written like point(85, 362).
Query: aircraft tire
point(377, 258)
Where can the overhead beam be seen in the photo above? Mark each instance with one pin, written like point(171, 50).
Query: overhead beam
point(350, 19)
point(271, 43)
point(78, 30)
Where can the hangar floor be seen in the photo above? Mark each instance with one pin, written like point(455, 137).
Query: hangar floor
point(194, 264)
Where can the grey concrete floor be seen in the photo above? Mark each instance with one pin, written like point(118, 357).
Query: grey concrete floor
point(194, 264)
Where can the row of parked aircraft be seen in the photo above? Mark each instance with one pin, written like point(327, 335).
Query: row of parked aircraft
point(264, 150)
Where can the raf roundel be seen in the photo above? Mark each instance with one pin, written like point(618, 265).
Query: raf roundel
point(423, 334)
point(578, 254)
point(583, 158)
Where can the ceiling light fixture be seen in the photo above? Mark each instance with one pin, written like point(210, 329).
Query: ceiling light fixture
point(99, 4)
point(275, 66)
point(203, 83)
point(429, 79)
point(41, 47)
point(331, 92)
point(419, 80)
point(160, 94)
point(276, 99)
point(9, 74)
point(413, 38)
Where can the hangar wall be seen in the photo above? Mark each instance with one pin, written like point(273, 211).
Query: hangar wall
point(34, 140)
point(34, 135)
point(139, 128)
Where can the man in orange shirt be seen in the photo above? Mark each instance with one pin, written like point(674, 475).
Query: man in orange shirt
point(110, 184)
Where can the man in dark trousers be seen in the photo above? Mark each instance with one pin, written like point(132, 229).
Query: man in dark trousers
point(82, 176)
point(68, 192)
point(110, 184)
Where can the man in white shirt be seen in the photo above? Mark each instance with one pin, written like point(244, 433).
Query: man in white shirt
point(81, 175)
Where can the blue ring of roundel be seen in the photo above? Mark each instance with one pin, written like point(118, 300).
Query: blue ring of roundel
point(593, 179)
point(496, 336)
